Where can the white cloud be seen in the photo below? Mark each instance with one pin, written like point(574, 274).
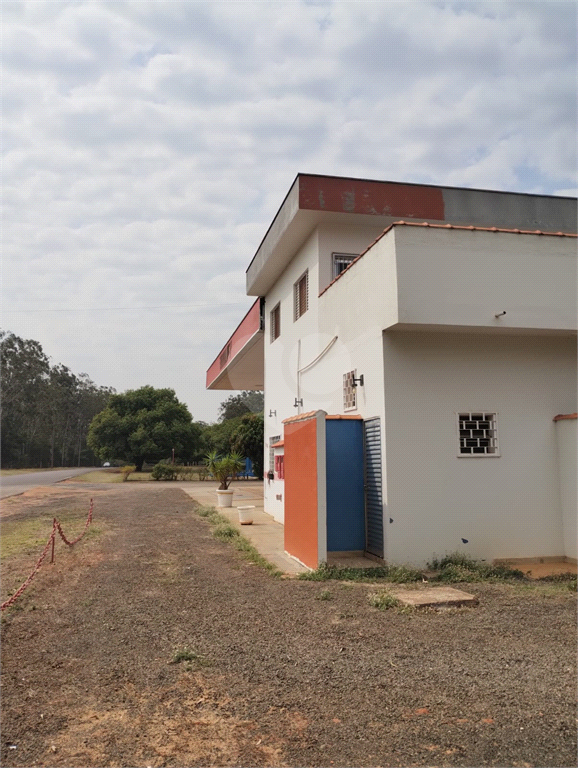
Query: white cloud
point(148, 146)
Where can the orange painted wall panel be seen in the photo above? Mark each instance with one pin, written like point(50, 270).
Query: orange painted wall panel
point(301, 491)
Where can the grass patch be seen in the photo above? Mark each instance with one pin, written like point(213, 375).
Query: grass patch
point(30, 535)
point(113, 475)
point(564, 581)
point(223, 530)
point(450, 569)
point(186, 654)
point(6, 472)
point(324, 595)
point(396, 574)
point(25, 536)
point(458, 567)
point(383, 600)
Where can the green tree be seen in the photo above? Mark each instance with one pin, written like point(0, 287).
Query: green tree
point(217, 437)
point(144, 424)
point(25, 372)
point(45, 410)
point(248, 401)
point(249, 438)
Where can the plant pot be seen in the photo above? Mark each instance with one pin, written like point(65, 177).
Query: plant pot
point(225, 498)
point(246, 515)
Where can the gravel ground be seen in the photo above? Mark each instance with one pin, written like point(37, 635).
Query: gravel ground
point(282, 672)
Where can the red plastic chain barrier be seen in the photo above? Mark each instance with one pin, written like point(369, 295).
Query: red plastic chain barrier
point(55, 527)
point(78, 538)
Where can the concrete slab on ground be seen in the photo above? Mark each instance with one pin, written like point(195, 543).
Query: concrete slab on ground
point(346, 560)
point(435, 597)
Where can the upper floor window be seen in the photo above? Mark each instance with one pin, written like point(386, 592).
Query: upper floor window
point(341, 261)
point(301, 295)
point(276, 322)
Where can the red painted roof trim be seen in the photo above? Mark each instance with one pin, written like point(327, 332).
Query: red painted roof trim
point(247, 328)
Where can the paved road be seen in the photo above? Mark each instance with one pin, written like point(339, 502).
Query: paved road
point(13, 485)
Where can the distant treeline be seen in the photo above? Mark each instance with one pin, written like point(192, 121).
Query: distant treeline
point(45, 409)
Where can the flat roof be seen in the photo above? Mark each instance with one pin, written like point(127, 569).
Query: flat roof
point(313, 199)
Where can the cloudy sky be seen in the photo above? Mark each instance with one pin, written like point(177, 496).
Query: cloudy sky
point(148, 145)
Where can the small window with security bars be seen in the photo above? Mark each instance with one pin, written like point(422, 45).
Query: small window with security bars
point(341, 261)
point(478, 434)
point(276, 322)
point(301, 295)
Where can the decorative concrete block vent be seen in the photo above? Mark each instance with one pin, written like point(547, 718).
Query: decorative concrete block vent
point(349, 391)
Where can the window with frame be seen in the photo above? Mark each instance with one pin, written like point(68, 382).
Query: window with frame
point(341, 261)
point(301, 295)
point(275, 322)
point(478, 434)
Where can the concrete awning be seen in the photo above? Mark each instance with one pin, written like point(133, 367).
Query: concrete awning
point(240, 364)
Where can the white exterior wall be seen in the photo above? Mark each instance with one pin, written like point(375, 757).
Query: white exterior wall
point(567, 464)
point(506, 506)
point(300, 343)
point(417, 380)
point(460, 278)
point(281, 356)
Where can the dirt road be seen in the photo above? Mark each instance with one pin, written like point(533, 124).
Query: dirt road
point(279, 673)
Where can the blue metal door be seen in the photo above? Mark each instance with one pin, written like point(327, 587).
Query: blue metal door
point(373, 488)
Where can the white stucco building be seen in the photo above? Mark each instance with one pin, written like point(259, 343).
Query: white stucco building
point(445, 320)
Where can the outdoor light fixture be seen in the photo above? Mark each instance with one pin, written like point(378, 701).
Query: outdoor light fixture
point(272, 413)
point(359, 381)
point(298, 403)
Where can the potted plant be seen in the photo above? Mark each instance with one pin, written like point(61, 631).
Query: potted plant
point(224, 469)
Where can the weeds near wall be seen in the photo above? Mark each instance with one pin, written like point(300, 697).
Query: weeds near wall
point(224, 531)
point(397, 574)
point(457, 567)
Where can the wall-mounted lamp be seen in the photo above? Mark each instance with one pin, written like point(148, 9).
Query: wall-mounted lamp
point(272, 413)
point(500, 314)
point(298, 403)
point(359, 381)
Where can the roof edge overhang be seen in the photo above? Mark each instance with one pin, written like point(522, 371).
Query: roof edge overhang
point(315, 199)
point(240, 363)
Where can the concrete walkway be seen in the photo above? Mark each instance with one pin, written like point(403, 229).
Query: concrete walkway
point(265, 534)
